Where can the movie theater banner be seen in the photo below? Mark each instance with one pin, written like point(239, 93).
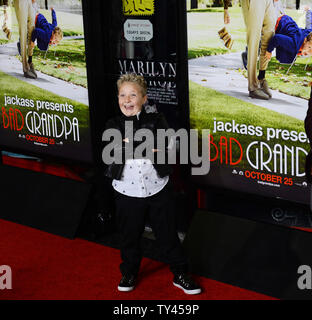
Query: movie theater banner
point(47, 115)
point(256, 146)
point(144, 38)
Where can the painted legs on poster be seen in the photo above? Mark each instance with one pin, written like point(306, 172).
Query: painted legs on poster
point(260, 18)
point(25, 15)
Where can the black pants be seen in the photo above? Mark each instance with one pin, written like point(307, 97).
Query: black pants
point(131, 213)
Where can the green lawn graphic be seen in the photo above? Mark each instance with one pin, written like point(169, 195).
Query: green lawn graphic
point(10, 86)
point(203, 40)
point(207, 104)
point(67, 61)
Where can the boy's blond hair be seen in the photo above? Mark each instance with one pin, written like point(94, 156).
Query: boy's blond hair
point(133, 78)
point(58, 33)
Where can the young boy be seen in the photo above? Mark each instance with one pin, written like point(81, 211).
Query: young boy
point(46, 33)
point(289, 41)
point(143, 188)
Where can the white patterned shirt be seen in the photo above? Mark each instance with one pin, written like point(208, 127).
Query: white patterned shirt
point(139, 179)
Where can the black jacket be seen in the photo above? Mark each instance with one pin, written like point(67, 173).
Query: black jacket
point(151, 121)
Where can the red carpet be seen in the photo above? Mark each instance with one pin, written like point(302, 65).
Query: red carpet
point(46, 267)
point(43, 166)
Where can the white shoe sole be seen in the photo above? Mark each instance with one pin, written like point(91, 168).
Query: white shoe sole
point(194, 291)
point(125, 289)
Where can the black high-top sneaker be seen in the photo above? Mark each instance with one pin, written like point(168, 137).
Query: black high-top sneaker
point(186, 283)
point(127, 283)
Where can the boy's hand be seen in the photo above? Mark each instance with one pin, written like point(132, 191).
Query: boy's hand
point(32, 44)
point(268, 55)
point(227, 19)
point(126, 140)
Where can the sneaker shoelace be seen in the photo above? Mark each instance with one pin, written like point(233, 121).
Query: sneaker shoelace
point(126, 279)
point(186, 281)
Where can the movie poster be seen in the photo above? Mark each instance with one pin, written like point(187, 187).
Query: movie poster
point(256, 145)
point(43, 79)
point(145, 36)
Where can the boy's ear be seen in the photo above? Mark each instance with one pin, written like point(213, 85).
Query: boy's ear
point(145, 98)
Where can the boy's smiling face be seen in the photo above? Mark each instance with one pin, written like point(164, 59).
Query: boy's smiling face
point(130, 98)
